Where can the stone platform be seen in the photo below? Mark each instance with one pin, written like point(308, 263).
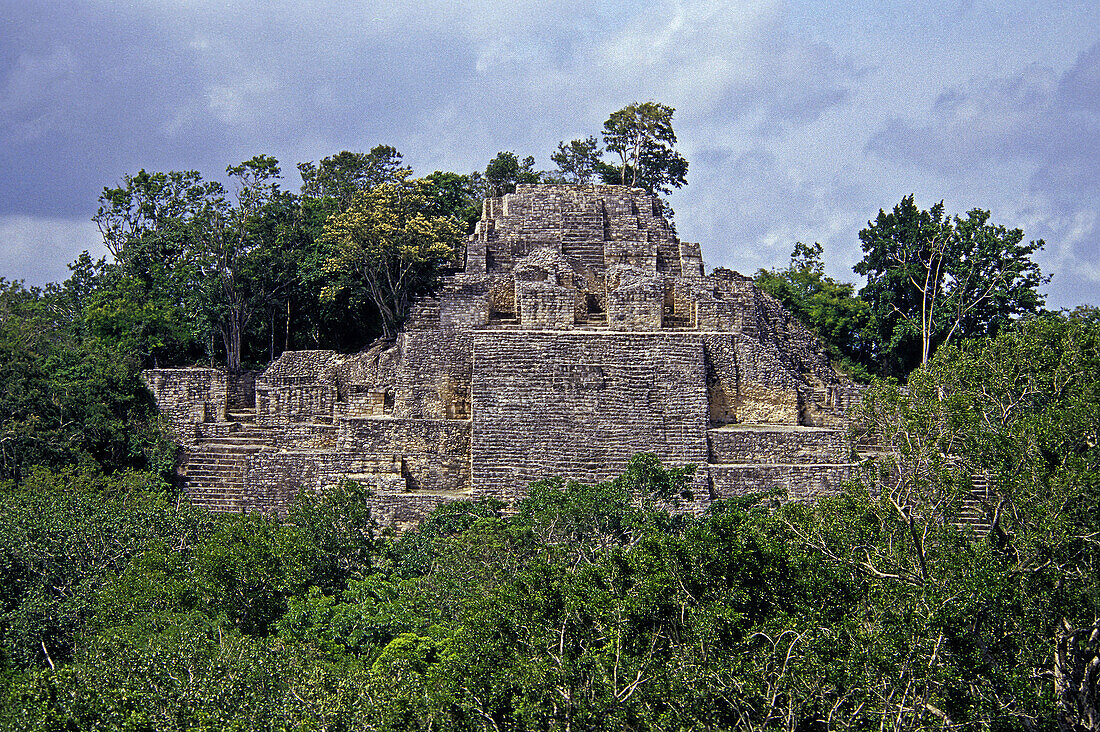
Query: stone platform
point(573, 331)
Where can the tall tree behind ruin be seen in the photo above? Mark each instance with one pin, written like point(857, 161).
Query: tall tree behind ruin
point(388, 240)
point(641, 135)
point(932, 278)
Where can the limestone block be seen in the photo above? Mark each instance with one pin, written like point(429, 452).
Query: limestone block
point(637, 306)
point(580, 404)
point(188, 397)
point(545, 305)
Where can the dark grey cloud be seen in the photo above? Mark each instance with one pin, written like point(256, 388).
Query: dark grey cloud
point(799, 120)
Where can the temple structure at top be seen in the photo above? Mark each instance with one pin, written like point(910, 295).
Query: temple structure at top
point(573, 330)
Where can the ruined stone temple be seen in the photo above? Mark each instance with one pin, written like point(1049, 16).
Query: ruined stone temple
point(573, 330)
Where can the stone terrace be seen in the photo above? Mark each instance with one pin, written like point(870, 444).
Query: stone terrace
point(574, 331)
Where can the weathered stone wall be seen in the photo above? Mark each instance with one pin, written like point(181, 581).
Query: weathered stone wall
point(776, 444)
point(545, 305)
point(435, 453)
point(188, 397)
point(465, 303)
point(302, 367)
point(274, 477)
point(241, 390)
point(433, 373)
point(595, 225)
point(797, 482)
point(280, 405)
point(748, 382)
point(638, 306)
point(580, 404)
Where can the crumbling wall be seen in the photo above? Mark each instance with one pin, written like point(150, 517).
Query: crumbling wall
point(188, 397)
point(773, 444)
point(795, 482)
point(545, 305)
point(435, 453)
point(637, 306)
point(433, 373)
point(273, 478)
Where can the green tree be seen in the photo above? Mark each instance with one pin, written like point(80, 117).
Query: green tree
point(386, 240)
point(245, 264)
point(337, 179)
point(825, 305)
point(149, 297)
point(933, 278)
point(454, 194)
point(641, 135)
point(578, 161)
point(505, 171)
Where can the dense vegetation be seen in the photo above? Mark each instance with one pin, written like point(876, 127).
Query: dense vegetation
point(595, 607)
point(931, 280)
point(584, 607)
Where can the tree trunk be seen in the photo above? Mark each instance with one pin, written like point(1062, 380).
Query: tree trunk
point(233, 342)
point(1077, 678)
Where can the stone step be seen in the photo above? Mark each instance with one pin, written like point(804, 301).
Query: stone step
point(210, 468)
point(200, 474)
point(233, 444)
point(800, 481)
point(777, 444)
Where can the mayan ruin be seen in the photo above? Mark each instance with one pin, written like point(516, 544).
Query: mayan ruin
point(573, 331)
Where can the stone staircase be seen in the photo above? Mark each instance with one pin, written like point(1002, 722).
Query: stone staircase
point(804, 462)
point(214, 469)
point(593, 320)
point(972, 514)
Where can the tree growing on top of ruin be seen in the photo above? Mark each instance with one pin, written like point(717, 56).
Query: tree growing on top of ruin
point(641, 135)
point(390, 241)
point(579, 160)
point(506, 170)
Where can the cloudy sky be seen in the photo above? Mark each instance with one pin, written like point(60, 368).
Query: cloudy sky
point(800, 119)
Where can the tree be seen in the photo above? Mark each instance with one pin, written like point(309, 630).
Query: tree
point(826, 306)
point(933, 278)
point(237, 255)
point(505, 171)
point(579, 160)
point(338, 178)
point(643, 138)
point(454, 194)
point(386, 240)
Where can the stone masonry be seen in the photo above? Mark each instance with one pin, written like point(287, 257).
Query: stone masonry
point(573, 331)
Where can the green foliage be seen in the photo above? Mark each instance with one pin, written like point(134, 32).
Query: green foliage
point(593, 606)
point(337, 179)
point(933, 278)
point(70, 396)
point(828, 307)
point(62, 535)
point(578, 161)
point(388, 241)
point(641, 135)
point(505, 171)
point(451, 194)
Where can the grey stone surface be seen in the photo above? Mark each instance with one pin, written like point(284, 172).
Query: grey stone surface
point(575, 331)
